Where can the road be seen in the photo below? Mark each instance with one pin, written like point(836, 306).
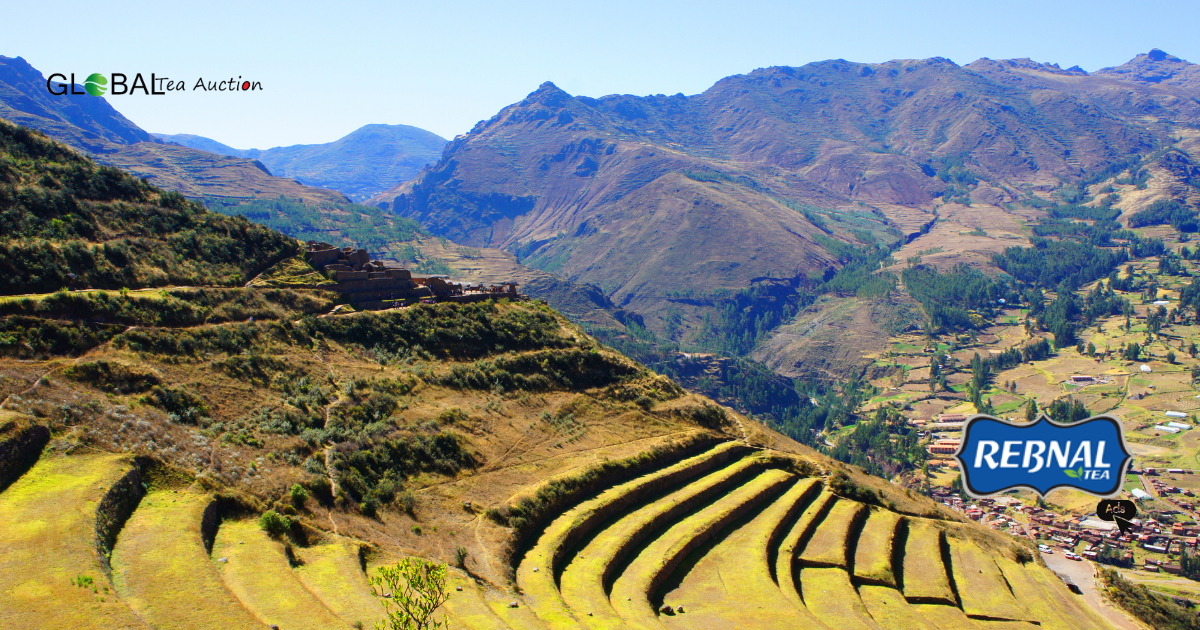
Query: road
point(1084, 575)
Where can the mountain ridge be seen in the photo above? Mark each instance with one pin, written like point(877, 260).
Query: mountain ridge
point(637, 195)
point(360, 164)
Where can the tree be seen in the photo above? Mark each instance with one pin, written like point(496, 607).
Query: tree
point(1171, 356)
point(410, 591)
point(1031, 411)
point(1091, 349)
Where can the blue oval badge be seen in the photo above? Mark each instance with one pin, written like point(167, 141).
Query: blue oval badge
point(1089, 456)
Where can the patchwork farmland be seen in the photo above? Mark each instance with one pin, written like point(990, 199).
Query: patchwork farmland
point(729, 534)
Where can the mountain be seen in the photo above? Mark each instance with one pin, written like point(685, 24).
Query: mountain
point(91, 125)
point(1157, 66)
point(371, 159)
point(669, 202)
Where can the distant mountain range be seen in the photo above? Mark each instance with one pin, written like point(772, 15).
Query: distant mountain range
point(371, 159)
point(669, 202)
point(367, 161)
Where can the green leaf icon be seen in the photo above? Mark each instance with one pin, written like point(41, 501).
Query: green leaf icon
point(1071, 473)
point(96, 84)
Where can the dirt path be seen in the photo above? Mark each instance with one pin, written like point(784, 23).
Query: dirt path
point(1083, 572)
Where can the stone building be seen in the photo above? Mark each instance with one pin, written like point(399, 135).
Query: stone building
point(376, 284)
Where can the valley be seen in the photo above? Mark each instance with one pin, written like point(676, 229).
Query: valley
point(751, 318)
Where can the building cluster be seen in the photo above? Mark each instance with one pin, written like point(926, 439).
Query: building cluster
point(944, 446)
point(1164, 534)
point(378, 284)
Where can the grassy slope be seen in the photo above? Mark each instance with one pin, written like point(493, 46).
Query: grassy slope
point(63, 215)
point(583, 580)
point(925, 575)
point(831, 597)
point(258, 574)
point(47, 529)
point(981, 585)
point(633, 593)
point(873, 555)
point(1042, 593)
point(164, 573)
point(730, 580)
point(541, 585)
point(832, 542)
point(795, 539)
point(332, 572)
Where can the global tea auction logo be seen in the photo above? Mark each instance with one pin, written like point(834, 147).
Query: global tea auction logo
point(121, 84)
point(1089, 456)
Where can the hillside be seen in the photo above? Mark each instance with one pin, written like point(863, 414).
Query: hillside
point(242, 457)
point(364, 163)
point(665, 202)
point(70, 223)
point(91, 125)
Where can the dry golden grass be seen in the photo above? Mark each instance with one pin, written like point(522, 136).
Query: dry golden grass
point(873, 554)
point(164, 573)
point(733, 580)
point(258, 574)
point(47, 525)
point(981, 585)
point(633, 592)
point(540, 586)
point(583, 580)
point(833, 600)
point(332, 572)
point(890, 610)
point(925, 575)
point(1047, 598)
point(831, 543)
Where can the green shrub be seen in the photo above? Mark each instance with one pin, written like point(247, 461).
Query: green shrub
point(410, 592)
point(407, 502)
point(1155, 611)
point(180, 404)
point(110, 375)
point(843, 485)
point(380, 465)
point(276, 525)
point(298, 495)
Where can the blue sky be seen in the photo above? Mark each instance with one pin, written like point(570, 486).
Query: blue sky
point(329, 68)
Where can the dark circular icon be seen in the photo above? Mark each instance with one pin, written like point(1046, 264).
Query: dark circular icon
point(1119, 510)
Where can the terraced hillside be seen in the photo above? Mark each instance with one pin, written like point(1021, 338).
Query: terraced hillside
point(731, 534)
point(736, 536)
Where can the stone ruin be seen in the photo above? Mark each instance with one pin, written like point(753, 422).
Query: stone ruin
point(375, 281)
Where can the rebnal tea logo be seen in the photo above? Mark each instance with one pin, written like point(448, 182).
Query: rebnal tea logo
point(1089, 456)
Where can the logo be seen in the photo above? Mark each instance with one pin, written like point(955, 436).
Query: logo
point(96, 84)
point(120, 84)
point(1089, 456)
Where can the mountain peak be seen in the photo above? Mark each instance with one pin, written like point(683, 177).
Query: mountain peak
point(1159, 55)
point(1156, 66)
